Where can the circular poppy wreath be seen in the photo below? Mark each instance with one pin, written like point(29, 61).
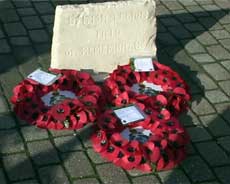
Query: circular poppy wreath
point(70, 102)
point(152, 143)
point(170, 92)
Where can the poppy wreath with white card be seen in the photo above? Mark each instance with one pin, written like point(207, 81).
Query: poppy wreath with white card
point(159, 87)
point(149, 142)
point(69, 102)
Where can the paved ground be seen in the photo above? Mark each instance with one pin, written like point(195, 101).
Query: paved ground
point(193, 37)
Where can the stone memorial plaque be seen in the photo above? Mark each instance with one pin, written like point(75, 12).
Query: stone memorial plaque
point(100, 36)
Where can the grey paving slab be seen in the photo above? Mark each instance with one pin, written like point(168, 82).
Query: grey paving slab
point(95, 157)
point(223, 173)
point(216, 96)
point(73, 162)
point(201, 106)
point(11, 141)
point(173, 177)
point(116, 175)
point(31, 133)
point(218, 52)
point(68, 143)
point(217, 71)
point(53, 174)
point(216, 125)
point(198, 134)
point(32, 22)
point(4, 46)
point(146, 179)
point(2, 177)
point(18, 167)
point(225, 85)
point(43, 152)
point(87, 181)
point(224, 142)
point(3, 105)
point(212, 153)
point(197, 169)
point(7, 122)
point(15, 29)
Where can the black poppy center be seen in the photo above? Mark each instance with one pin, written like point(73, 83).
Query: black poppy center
point(120, 155)
point(59, 110)
point(118, 143)
point(131, 149)
point(170, 123)
point(148, 111)
point(103, 142)
point(131, 159)
point(124, 101)
point(111, 149)
point(160, 116)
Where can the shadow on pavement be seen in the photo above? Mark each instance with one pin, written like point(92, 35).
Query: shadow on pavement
point(33, 53)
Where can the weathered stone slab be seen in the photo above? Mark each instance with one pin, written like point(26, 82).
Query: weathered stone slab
point(100, 36)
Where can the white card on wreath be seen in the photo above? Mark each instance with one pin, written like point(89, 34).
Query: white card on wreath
point(152, 86)
point(43, 77)
point(129, 114)
point(144, 64)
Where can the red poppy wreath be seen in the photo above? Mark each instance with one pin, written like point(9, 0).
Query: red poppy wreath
point(69, 103)
point(154, 142)
point(161, 87)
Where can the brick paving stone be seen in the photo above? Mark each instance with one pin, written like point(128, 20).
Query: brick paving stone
point(61, 132)
point(72, 163)
point(146, 180)
point(203, 58)
point(206, 38)
point(95, 157)
point(116, 174)
point(212, 153)
point(85, 134)
point(224, 142)
point(225, 19)
point(189, 119)
point(226, 64)
point(4, 46)
point(39, 36)
point(185, 17)
point(24, 54)
point(187, 2)
point(3, 105)
point(6, 122)
point(32, 22)
point(2, 177)
point(217, 71)
point(20, 41)
point(225, 85)
point(29, 66)
point(44, 7)
point(204, 2)
point(19, 4)
point(220, 34)
point(225, 43)
point(10, 78)
point(68, 143)
point(216, 125)
point(1, 34)
point(194, 27)
point(15, 29)
point(173, 5)
point(8, 15)
point(135, 173)
point(169, 21)
point(224, 110)
point(218, 52)
point(18, 166)
point(210, 23)
point(223, 173)
point(11, 141)
point(31, 133)
point(6, 4)
point(42, 152)
point(162, 11)
point(197, 169)
point(197, 11)
point(174, 176)
point(86, 181)
point(211, 7)
point(201, 106)
point(26, 11)
point(198, 134)
point(204, 81)
point(166, 39)
point(211, 182)
point(180, 32)
point(193, 46)
point(48, 19)
point(216, 96)
point(27, 182)
point(53, 175)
